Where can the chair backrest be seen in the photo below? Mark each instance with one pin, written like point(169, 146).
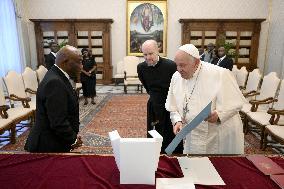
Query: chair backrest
point(269, 86)
point(235, 71)
point(15, 84)
point(279, 105)
point(242, 75)
point(2, 96)
point(120, 67)
point(41, 71)
point(130, 65)
point(30, 79)
point(253, 80)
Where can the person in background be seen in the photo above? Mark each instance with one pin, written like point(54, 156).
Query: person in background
point(88, 76)
point(155, 74)
point(193, 87)
point(224, 61)
point(201, 53)
point(50, 58)
point(57, 108)
point(208, 57)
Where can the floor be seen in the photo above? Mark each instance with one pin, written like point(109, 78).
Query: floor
point(101, 89)
point(117, 89)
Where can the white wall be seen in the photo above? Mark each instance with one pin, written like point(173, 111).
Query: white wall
point(116, 10)
point(276, 39)
point(92, 9)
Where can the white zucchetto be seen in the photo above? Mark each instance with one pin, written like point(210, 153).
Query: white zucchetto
point(191, 50)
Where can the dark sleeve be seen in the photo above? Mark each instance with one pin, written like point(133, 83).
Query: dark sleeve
point(140, 76)
point(214, 61)
point(230, 64)
point(93, 60)
point(94, 63)
point(173, 67)
point(48, 61)
point(56, 107)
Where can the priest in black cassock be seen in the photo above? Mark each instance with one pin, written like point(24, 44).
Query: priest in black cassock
point(155, 73)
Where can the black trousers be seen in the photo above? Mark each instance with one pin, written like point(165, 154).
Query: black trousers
point(158, 113)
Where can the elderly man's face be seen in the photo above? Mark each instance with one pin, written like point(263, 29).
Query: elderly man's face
point(186, 65)
point(150, 53)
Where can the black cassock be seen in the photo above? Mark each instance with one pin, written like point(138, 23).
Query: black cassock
point(156, 80)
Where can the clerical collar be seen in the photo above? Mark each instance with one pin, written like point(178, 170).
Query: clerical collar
point(66, 74)
point(153, 65)
point(54, 54)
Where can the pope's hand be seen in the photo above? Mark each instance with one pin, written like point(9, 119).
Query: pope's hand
point(177, 127)
point(213, 117)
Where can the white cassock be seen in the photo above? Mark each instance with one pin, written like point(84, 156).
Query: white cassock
point(209, 83)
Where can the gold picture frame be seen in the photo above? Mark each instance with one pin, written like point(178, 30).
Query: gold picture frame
point(146, 20)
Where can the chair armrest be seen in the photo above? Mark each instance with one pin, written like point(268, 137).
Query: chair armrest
point(242, 87)
point(3, 111)
point(275, 116)
point(30, 91)
point(256, 103)
point(25, 101)
point(251, 93)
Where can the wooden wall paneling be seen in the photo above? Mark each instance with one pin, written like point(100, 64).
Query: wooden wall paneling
point(72, 26)
point(246, 46)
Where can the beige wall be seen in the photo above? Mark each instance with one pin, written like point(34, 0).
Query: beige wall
point(116, 10)
point(275, 53)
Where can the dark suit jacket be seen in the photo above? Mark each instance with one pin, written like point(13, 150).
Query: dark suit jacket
point(226, 63)
point(49, 60)
point(57, 115)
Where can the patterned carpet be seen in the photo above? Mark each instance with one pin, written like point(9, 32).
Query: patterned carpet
point(124, 113)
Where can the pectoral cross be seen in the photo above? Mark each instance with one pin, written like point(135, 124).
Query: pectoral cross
point(185, 110)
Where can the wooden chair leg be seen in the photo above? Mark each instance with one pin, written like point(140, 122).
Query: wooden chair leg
point(13, 134)
point(246, 125)
point(262, 136)
point(265, 140)
point(125, 89)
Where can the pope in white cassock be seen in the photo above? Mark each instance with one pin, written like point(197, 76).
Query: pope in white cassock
point(192, 87)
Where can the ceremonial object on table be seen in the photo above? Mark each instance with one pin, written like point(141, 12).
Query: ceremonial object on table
point(188, 128)
point(136, 158)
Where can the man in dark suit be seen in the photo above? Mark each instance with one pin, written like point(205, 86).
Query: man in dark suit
point(57, 108)
point(50, 58)
point(224, 61)
point(155, 74)
point(201, 54)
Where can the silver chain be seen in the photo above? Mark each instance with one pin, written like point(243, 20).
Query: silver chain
point(186, 100)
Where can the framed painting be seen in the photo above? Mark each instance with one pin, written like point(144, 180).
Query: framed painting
point(146, 20)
